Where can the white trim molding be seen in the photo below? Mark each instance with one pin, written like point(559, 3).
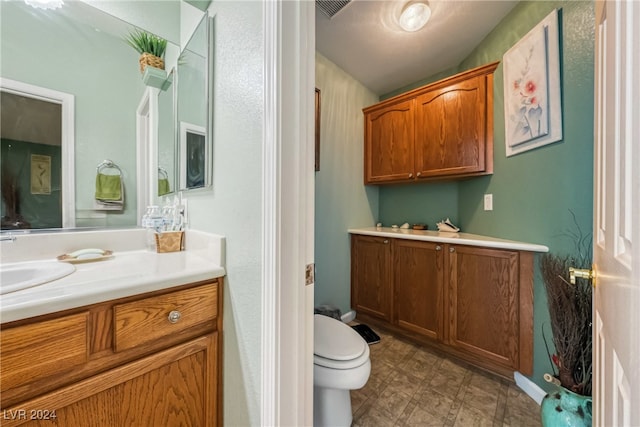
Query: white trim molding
point(287, 212)
point(270, 275)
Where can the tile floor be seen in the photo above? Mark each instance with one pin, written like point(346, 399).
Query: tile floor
point(415, 386)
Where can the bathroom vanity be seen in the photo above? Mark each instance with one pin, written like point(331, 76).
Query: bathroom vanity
point(468, 295)
point(131, 340)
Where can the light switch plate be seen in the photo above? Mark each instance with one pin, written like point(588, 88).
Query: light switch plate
point(488, 202)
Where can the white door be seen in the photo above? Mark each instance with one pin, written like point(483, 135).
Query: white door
point(616, 244)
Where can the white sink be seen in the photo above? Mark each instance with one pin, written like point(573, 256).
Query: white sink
point(22, 275)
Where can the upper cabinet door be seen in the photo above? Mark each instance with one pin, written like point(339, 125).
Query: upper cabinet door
point(389, 135)
point(451, 129)
point(443, 130)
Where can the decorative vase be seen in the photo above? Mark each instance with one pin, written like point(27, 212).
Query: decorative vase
point(151, 60)
point(565, 408)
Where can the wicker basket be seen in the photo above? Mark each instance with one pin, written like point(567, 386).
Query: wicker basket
point(169, 241)
point(151, 60)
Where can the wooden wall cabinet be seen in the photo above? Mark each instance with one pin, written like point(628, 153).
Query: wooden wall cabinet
point(473, 302)
point(148, 360)
point(443, 130)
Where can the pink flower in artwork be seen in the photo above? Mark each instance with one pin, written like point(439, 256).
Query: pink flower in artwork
point(530, 87)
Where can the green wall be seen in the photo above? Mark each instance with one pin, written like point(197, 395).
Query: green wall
point(533, 192)
point(341, 200)
point(39, 210)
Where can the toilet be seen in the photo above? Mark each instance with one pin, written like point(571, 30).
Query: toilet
point(340, 364)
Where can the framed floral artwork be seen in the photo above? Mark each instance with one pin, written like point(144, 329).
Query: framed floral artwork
point(532, 92)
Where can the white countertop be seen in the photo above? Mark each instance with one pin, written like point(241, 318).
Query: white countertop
point(445, 237)
point(130, 271)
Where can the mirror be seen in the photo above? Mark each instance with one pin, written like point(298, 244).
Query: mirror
point(78, 50)
point(194, 140)
point(167, 156)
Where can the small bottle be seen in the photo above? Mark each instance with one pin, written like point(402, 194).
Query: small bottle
point(152, 221)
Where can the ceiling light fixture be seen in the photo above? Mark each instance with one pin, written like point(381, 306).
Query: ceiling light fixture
point(414, 16)
point(45, 4)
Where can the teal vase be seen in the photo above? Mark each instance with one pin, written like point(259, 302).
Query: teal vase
point(565, 408)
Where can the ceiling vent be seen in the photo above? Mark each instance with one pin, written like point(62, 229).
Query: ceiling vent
point(331, 7)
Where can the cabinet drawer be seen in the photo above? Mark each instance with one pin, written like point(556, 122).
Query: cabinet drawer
point(36, 351)
point(141, 322)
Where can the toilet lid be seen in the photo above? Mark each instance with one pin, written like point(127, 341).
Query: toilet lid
point(336, 341)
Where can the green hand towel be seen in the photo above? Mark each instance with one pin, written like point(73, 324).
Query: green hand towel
point(108, 187)
point(163, 186)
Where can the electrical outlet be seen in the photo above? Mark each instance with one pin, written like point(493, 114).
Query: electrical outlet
point(488, 202)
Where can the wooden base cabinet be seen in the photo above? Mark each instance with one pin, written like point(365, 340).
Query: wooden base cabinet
point(473, 302)
point(371, 276)
point(170, 377)
point(419, 285)
point(490, 307)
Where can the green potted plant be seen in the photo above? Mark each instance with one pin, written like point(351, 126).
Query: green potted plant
point(150, 47)
point(571, 326)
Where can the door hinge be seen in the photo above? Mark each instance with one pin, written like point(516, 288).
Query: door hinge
point(309, 276)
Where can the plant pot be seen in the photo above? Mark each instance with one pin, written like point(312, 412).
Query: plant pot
point(151, 60)
point(565, 408)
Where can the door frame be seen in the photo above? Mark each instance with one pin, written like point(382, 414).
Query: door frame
point(67, 103)
point(288, 212)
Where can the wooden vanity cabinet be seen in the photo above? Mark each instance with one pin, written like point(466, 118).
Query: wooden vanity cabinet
point(475, 303)
point(148, 360)
point(371, 291)
point(443, 130)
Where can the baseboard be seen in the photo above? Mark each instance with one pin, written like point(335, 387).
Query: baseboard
point(532, 389)
point(349, 316)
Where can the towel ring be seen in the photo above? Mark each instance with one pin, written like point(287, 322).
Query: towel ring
point(162, 173)
point(108, 164)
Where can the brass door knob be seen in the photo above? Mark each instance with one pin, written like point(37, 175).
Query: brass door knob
point(581, 273)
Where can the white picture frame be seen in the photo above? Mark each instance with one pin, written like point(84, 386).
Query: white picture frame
point(532, 90)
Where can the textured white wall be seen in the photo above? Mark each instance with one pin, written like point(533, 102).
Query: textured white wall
point(341, 200)
point(233, 206)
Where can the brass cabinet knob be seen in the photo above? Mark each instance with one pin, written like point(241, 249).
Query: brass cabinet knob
point(419, 174)
point(452, 249)
point(174, 316)
point(438, 248)
point(386, 241)
point(410, 175)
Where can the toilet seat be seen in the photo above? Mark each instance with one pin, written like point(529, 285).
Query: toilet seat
point(337, 345)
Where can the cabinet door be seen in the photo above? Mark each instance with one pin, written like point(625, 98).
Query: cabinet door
point(484, 303)
point(176, 387)
point(418, 287)
point(389, 134)
point(451, 129)
point(371, 276)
